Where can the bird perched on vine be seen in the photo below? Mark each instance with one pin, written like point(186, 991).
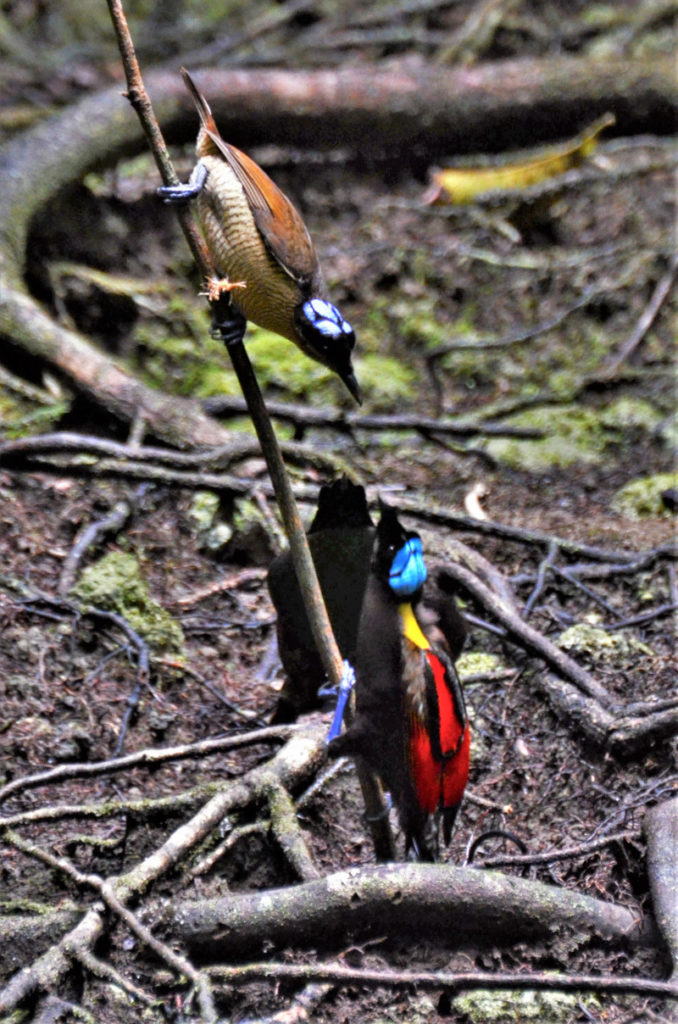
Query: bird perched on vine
point(262, 250)
point(411, 725)
point(341, 539)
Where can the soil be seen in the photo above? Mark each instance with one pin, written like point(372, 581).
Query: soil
point(412, 279)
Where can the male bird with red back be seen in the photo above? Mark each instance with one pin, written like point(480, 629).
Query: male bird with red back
point(261, 248)
point(411, 724)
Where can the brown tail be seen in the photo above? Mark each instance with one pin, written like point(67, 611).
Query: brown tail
point(201, 104)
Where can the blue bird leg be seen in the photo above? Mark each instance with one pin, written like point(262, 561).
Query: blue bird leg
point(345, 686)
point(184, 193)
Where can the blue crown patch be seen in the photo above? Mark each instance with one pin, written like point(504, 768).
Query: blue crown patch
point(408, 570)
point(326, 318)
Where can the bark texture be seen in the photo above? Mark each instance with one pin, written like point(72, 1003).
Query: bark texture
point(459, 906)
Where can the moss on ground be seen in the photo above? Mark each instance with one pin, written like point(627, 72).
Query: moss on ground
point(115, 583)
point(642, 497)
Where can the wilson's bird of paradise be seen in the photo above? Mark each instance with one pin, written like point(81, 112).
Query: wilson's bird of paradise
point(411, 724)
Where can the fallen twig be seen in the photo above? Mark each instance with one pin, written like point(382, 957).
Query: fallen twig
point(147, 758)
point(87, 537)
point(456, 982)
point(644, 323)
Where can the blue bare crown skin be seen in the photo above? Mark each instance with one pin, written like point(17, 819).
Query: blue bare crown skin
point(408, 570)
point(326, 318)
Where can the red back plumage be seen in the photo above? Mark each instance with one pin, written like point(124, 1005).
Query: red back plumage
point(439, 755)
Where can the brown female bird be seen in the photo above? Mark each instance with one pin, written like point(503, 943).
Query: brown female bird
point(262, 250)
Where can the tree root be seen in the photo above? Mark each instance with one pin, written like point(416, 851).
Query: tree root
point(462, 907)
point(661, 831)
point(586, 706)
point(290, 767)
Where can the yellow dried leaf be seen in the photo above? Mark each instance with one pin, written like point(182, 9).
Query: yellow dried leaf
point(463, 184)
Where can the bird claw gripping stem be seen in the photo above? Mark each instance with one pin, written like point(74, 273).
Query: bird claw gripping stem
point(228, 325)
point(184, 192)
point(345, 686)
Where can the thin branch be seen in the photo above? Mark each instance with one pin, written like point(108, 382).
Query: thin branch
point(644, 323)
point(587, 570)
point(100, 969)
point(428, 512)
point(214, 856)
point(566, 853)
point(150, 757)
point(544, 566)
point(515, 338)
point(250, 716)
point(19, 451)
point(84, 444)
point(225, 584)
point(643, 618)
point(348, 422)
point(457, 982)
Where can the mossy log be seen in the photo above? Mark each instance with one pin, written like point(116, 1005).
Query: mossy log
point(458, 907)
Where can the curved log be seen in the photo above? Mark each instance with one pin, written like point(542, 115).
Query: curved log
point(456, 906)
point(421, 111)
point(431, 110)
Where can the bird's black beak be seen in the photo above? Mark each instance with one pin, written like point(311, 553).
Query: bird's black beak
point(351, 383)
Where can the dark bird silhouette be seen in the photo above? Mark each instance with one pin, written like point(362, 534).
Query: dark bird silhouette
point(340, 537)
point(411, 725)
point(262, 251)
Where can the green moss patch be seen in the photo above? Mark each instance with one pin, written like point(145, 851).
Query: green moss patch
point(476, 662)
point(600, 646)
point(520, 1007)
point(572, 434)
point(115, 583)
point(643, 497)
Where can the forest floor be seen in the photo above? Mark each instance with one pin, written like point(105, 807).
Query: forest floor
point(508, 314)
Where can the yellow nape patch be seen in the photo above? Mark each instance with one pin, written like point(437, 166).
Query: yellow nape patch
point(411, 628)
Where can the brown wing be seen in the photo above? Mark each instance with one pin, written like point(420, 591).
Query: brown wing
point(279, 223)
